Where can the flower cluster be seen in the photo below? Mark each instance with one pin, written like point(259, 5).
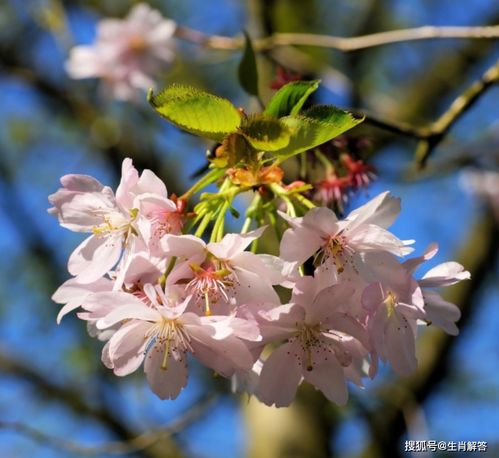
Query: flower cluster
point(159, 296)
point(127, 53)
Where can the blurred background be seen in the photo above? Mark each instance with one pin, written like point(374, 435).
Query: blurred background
point(58, 400)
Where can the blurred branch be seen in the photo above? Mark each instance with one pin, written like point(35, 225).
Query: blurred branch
point(431, 135)
point(74, 400)
point(387, 423)
point(132, 445)
point(345, 44)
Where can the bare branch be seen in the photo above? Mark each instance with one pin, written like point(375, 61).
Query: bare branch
point(345, 44)
point(132, 445)
point(431, 135)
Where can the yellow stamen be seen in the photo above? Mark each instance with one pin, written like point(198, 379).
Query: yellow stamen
point(207, 304)
point(390, 302)
point(164, 363)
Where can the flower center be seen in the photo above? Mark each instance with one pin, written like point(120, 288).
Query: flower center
point(334, 249)
point(169, 334)
point(137, 44)
point(115, 223)
point(390, 302)
point(322, 344)
point(165, 222)
point(210, 284)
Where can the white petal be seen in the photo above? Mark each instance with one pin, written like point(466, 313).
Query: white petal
point(233, 244)
point(94, 257)
point(446, 274)
point(297, 245)
point(184, 247)
point(127, 346)
point(381, 211)
point(126, 312)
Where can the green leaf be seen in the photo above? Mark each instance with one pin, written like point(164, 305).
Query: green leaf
point(315, 127)
point(290, 98)
point(196, 111)
point(265, 134)
point(248, 72)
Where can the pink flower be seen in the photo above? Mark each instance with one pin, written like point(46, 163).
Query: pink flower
point(222, 274)
point(394, 308)
point(163, 333)
point(83, 204)
point(73, 294)
point(437, 310)
point(340, 244)
point(127, 53)
point(320, 342)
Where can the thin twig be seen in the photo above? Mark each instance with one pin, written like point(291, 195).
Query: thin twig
point(132, 445)
point(431, 135)
point(345, 44)
point(440, 127)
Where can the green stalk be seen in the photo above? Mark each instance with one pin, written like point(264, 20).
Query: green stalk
point(208, 179)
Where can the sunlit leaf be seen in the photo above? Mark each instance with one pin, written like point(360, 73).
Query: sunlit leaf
point(265, 134)
point(290, 98)
point(196, 111)
point(315, 127)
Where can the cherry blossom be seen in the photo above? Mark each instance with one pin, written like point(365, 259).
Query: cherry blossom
point(156, 294)
point(318, 342)
point(340, 244)
point(222, 274)
point(127, 53)
point(161, 333)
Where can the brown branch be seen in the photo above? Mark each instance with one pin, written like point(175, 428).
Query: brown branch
point(431, 136)
point(345, 44)
point(132, 445)
point(74, 400)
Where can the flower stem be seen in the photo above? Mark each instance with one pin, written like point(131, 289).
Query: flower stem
point(209, 178)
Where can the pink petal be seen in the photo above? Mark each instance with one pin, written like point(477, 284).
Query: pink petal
point(233, 244)
point(370, 237)
point(381, 211)
point(280, 377)
point(442, 313)
point(345, 323)
point(400, 345)
point(223, 356)
point(373, 297)
point(412, 264)
point(322, 220)
point(166, 383)
point(94, 257)
point(251, 289)
point(329, 378)
point(127, 346)
point(126, 312)
point(129, 178)
point(327, 302)
point(297, 245)
point(150, 183)
point(184, 247)
point(446, 274)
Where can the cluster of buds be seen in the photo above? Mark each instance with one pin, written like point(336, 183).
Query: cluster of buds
point(343, 171)
point(157, 294)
